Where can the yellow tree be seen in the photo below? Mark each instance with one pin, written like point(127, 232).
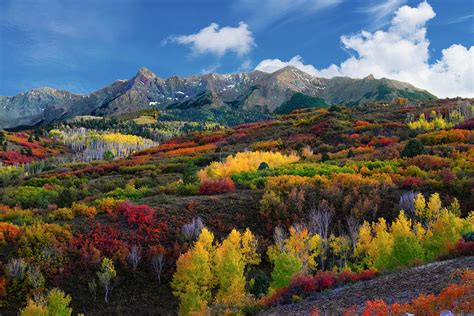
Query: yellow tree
point(297, 253)
point(434, 206)
point(229, 270)
point(193, 280)
point(420, 206)
point(249, 248)
point(406, 243)
point(374, 243)
point(340, 247)
point(231, 258)
point(444, 232)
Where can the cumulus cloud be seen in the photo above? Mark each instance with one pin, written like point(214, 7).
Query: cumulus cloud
point(401, 52)
point(272, 65)
point(219, 40)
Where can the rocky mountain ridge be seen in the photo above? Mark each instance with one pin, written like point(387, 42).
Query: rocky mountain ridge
point(240, 91)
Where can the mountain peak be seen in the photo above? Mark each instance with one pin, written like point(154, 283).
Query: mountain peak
point(370, 77)
point(145, 72)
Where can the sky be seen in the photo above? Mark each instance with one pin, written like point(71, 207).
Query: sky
point(82, 46)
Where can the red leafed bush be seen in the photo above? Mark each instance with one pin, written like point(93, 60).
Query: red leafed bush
point(103, 167)
point(467, 125)
point(13, 158)
point(366, 275)
point(464, 248)
point(320, 128)
point(325, 279)
point(136, 214)
point(376, 308)
point(412, 182)
point(448, 176)
point(347, 276)
point(354, 136)
point(383, 141)
point(212, 139)
point(22, 139)
point(101, 241)
point(305, 284)
point(208, 187)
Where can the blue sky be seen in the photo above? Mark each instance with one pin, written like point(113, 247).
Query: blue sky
point(83, 45)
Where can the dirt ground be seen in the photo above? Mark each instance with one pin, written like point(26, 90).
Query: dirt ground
point(394, 287)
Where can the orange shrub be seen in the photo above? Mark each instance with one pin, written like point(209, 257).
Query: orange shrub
point(267, 145)
point(447, 137)
point(8, 232)
point(191, 150)
point(84, 210)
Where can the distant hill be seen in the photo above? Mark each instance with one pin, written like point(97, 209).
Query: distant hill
point(282, 91)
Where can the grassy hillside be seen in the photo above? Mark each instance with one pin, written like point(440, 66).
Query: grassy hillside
point(62, 221)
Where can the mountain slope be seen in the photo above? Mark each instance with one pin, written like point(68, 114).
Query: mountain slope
point(395, 287)
point(245, 91)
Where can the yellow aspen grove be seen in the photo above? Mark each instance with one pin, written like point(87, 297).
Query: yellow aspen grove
point(229, 270)
point(381, 244)
point(245, 161)
point(434, 206)
point(249, 248)
point(364, 240)
point(193, 279)
point(420, 206)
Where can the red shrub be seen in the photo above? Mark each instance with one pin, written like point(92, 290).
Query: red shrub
point(412, 182)
point(468, 125)
point(464, 248)
point(212, 139)
point(208, 187)
point(101, 241)
point(320, 128)
point(136, 214)
point(448, 176)
point(376, 308)
point(305, 283)
point(14, 158)
point(325, 279)
point(347, 276)
point(367, 275)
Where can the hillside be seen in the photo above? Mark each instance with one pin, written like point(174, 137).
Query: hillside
point(239, 92)
point(394, 182)
point(396, 287)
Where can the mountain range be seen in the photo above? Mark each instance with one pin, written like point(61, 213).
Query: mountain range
point(282, 91)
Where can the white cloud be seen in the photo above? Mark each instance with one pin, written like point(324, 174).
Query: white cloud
point(272, 65)
point(381, 10)
point(215, 40)
point(266, 12)
point(402, 53)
